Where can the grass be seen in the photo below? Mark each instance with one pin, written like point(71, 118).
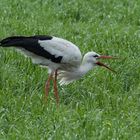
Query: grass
point(101, 105)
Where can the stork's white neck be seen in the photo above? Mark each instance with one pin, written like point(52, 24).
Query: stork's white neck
point(85, 67)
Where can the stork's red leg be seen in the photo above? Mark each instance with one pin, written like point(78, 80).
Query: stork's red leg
point(47, 85)
point(55, 87)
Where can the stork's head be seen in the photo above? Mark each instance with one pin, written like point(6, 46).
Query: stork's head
point(94, 58)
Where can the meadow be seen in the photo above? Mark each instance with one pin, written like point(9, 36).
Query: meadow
point(100, 106)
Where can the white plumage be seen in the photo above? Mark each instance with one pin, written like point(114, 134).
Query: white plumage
point(60, 47)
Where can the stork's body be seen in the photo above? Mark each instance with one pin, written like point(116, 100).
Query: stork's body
point(62, 57)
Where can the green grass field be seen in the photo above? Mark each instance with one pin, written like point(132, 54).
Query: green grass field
point(100, 106)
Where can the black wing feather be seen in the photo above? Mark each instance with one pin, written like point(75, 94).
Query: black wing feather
point(31, 44)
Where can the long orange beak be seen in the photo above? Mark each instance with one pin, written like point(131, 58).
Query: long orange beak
point(106, 57)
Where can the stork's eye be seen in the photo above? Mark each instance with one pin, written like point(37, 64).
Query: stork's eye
point(95, 56)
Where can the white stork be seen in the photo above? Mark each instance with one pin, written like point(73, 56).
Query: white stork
point(62, 57)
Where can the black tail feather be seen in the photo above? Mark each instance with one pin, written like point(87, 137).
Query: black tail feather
point(21, 41)
point(12, 41)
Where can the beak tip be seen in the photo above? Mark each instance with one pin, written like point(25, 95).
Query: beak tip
point(101, 64)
